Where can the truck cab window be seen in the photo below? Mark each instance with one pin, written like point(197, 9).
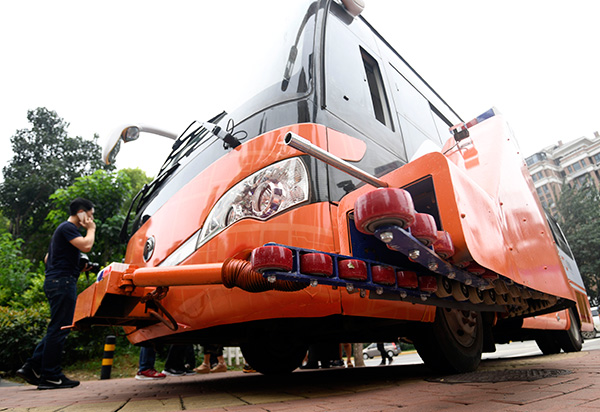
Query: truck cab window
point(375, 82)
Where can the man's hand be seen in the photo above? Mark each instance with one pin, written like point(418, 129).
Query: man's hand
point(88, 223)
point(85, 243)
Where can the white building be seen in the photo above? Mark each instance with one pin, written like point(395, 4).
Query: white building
point(571, 163)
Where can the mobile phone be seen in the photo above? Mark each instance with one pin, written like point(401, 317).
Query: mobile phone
point(81, 216)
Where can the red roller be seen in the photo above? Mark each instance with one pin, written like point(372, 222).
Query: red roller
point(272, 258)
point(443, 245)
point(428, 284)
point(383, 274)
point(407, 279)
point(316, 264)
point(385, 206)
point(352, 269)
point(424, 229)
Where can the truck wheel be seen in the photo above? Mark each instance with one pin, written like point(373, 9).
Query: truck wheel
point(274, 357)
point(424, 229)
point(571, 340)
point(352, 269)
point(547, 342)
point(590, 335)
point(453, 342)
point(272, 258)
point(316, 264)
point(366, 356)
point(387, 206)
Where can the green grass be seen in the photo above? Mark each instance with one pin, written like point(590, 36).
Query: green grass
point(124, 366)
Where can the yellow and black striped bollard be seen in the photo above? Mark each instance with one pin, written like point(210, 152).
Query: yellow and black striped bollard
point(107, 359)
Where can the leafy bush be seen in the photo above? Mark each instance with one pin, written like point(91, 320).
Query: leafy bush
point(20, 331)
point(14, 269)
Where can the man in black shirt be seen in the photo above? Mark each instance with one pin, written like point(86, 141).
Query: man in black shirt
point(62, 270)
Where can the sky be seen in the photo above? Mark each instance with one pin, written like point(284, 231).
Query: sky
point(103, 64)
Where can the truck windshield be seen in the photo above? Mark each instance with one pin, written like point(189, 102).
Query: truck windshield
point(276, 68)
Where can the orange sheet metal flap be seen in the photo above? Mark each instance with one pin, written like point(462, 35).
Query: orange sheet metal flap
point(486, 203)
point(551, 321)
point(107, 301)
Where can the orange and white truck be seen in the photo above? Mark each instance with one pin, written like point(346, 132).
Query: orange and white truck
point(345, 202)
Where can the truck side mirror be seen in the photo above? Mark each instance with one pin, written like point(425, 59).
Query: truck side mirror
point(126, 134)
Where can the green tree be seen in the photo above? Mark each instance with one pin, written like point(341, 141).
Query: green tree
point(138, 179)
point(111, 193)
point(579, 210)
point(14, 270)
point(45, 159)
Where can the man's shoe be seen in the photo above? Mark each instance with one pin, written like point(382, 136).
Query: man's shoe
point(29, 374)
point(149, 375)
point(248, 369)
point(337, 363)
point(59, 382)
point(173, 372)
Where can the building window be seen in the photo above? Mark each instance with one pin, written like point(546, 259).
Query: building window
point(597, 158)
point(576, 166)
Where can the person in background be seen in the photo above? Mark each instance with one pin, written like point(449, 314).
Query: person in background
point(146, 371)
point(181, 360)
point(210, 352)
point(60, 286)
point(346, 347)
point(384, 355)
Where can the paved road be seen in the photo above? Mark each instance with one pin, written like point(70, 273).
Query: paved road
point(511, 350)
point(525, 380)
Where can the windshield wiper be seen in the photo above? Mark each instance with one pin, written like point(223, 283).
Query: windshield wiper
point(143, 195)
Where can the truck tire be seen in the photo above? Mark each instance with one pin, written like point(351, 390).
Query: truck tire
point(453, 343)
point(547, 342)
point(571, 340)
point(274, 357)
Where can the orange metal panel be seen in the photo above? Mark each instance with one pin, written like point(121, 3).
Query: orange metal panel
point(552, 321)
point(345, 147)
point(353, 305)
point(185, 212)
point(486, 202)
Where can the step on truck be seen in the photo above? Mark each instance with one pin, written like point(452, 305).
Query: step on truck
point(345, 202)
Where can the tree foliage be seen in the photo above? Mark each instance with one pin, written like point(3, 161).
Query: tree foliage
point(579, 210)
point(45, 159)
point(14, 270)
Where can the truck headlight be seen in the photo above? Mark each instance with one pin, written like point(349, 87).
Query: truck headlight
point(260, 196)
